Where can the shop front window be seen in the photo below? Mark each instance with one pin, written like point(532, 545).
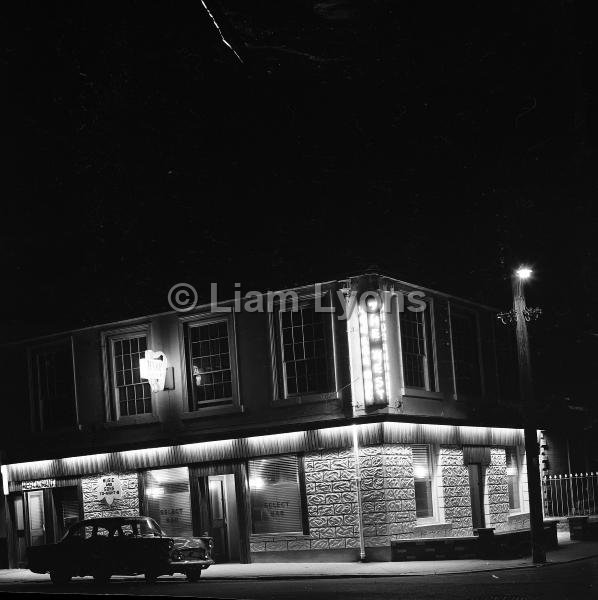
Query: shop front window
point(168, 500)
point(276, 505)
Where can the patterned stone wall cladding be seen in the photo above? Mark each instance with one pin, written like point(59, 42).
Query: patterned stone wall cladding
point(496, 491)
point(454, 500)
point(127, 506)
point(388, 499)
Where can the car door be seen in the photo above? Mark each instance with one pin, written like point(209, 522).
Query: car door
point(71, 551)
point(97, 555)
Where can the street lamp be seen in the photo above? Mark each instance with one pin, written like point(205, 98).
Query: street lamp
point(523, 273)
point(521, 315)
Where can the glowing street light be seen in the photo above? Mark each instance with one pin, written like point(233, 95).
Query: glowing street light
point(523, 273)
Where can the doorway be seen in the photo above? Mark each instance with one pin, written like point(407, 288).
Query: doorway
point(17, 508)
point(36, 517)
point(223, 519)
point(67, 509)
point(476, 492)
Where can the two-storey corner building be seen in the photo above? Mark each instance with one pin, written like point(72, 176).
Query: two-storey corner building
point(339, 419)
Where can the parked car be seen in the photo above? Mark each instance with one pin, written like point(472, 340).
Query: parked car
point(120, 546)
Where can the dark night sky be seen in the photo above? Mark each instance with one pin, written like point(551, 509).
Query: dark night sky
point(443, 144)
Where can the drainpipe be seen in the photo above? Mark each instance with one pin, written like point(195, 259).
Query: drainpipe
point(362, 556)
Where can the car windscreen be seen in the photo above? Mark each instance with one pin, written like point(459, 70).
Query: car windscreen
point(146, 528)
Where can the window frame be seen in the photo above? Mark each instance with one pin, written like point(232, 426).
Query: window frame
point(36, 408)
point(110, 388)
point(206, 318)
point(430, 361)
point(433, 465)
point(299, 457)
point(460, 311)
point(279, 383)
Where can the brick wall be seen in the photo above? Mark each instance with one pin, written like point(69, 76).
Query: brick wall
point(127, 506)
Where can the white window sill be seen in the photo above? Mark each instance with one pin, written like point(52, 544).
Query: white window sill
point(211, 411)
point(264, 537)
point(517, 513)
point(421, 393)
point(307, 399)
point(423, 525)
point(132, 421)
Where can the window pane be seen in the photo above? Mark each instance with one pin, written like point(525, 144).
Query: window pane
point(413, 341)
point(422, 474)
point(512, 477)
point(133, 397)
point(275, 495)
point(210, 364)
point(304, 350)
point(423, 499)
point(465, 351)
point(169, 500)
point(53, 386)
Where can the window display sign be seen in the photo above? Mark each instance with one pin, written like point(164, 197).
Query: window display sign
point(109, 489)
point(169, 501)
point(275, 495)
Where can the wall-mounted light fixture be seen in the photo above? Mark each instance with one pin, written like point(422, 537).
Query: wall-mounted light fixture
point(154, 368)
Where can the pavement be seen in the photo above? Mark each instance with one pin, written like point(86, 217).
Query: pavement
point(568, 551)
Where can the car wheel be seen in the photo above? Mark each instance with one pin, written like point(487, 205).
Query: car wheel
point(101, 576)
point(151, 577)
point(59, 577)
point(193, 574)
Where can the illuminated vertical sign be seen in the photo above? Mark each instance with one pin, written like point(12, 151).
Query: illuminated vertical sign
point(374, 359)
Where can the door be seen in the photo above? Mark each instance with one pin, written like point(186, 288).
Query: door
point(476, 491)
point(20, 534)
point(37, 524)
point(218, 517)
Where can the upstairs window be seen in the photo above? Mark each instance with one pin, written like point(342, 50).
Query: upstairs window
point(417, 348)
point(305, 350)
point(211, 363)
point(513, 478)
point(422, 475)
point(130, 396)
point(53, 386)
point(466, 355)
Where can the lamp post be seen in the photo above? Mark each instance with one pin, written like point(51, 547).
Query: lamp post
point(521, 315)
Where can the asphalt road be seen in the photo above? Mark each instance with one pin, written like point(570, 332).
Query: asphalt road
point(577, 580)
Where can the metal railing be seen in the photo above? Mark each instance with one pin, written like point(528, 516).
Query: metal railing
point(571, 494)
